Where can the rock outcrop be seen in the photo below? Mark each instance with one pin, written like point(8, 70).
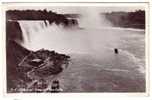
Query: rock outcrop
point(26, 68)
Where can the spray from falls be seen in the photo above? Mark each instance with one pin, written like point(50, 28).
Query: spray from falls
point(92, 18)
point(91, 39)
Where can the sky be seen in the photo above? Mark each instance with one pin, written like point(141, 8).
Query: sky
point(100, 9)
point(81, 8)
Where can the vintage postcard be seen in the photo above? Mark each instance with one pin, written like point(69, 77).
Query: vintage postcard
point(76, 47)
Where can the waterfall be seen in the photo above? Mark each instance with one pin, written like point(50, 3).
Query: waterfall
point(31, 27)
point(53, 37)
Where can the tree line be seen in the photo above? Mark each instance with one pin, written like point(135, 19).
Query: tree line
point(134, 19)
point(40, 15)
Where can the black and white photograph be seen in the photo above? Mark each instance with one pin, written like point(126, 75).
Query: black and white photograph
point(75, 49)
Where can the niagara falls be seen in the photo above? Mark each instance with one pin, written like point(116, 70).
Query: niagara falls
point(82, 49)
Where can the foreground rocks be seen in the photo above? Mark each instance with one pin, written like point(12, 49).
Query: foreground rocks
point(34, 71)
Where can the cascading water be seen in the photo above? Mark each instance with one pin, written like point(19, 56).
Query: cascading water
point(52, 37)
point(29, 28)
